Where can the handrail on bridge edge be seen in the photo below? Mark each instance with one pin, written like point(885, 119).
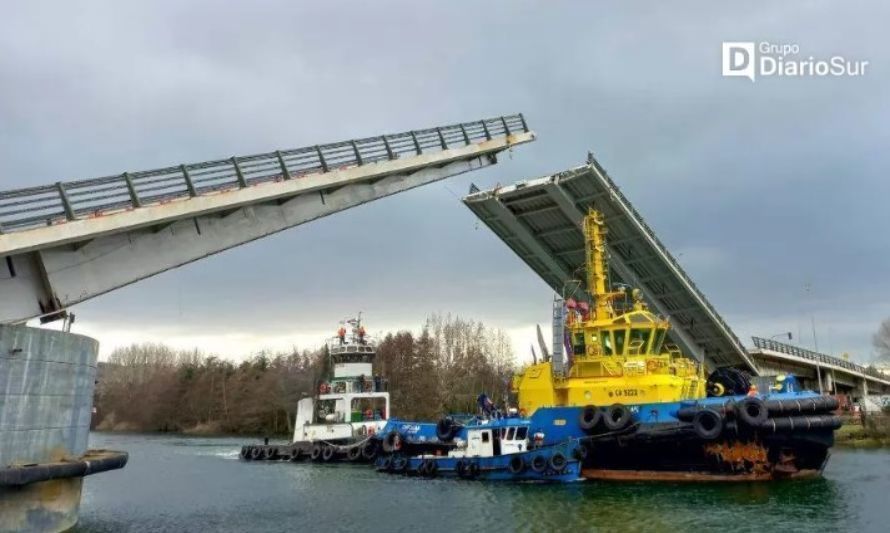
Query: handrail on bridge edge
point(71, 200)
point(781, 347)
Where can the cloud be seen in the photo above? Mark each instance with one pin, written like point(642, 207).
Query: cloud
point(763, 187)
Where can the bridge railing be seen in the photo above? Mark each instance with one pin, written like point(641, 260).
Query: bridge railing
point(71, 200)
point(781, 347)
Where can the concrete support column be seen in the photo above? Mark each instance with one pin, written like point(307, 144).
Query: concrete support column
point(46, 396)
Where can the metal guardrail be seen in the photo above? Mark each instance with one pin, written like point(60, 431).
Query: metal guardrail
point(65, 201)
point(781, 347)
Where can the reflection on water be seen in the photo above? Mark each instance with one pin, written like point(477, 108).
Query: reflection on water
point(191, 484)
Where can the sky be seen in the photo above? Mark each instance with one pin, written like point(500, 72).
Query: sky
point(773, 194)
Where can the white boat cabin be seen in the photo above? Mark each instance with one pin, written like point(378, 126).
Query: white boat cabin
point(491, 441)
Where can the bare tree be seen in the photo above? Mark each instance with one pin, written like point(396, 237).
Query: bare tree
point(881, 341)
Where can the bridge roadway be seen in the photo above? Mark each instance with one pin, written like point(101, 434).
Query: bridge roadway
point(62, 244)
point(541, 221)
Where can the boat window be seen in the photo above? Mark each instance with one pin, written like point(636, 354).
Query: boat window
point(578, 343)
point(521, 433)
point(619, 340)
point(607, 342)
point(641, 335)
point(511, 433)
point(485, 435)
point(658, 340)
point(503, 433)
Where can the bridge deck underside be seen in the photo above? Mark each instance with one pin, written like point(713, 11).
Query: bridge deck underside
point(541, 221)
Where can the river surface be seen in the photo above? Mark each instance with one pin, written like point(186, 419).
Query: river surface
point(175, 483)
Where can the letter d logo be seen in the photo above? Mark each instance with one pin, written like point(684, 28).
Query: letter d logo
point(738, 59)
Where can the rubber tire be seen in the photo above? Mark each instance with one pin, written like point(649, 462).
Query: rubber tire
point(245, 453)
point(590, 418)
point(446, 429)
point(354, 454)
point(471, 471)
point(581, 452)
point(327, 453)
point(516, 465)
point(752, 411)
point(256, 453)
point(294, 455)
point(270, 453)
point(617, 417)
point(399, 464)
point(315, 454)
point(369, 450)
point(708, 424)
point(460, 467)
point(539, 463)
point(389, 442)
point(558, 462)
point(386, 464)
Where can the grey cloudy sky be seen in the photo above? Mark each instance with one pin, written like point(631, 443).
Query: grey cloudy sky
point(758, 188)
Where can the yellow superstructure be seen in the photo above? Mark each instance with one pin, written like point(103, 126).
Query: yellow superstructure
point(619, 355)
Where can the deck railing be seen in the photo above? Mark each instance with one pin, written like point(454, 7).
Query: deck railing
point(65, 201)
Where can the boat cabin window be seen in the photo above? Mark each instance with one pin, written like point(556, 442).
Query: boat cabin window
point(607, 342)
point(578, 343)
point(485, 436)
point(658, 340)
point(639, 339)
point(521, 433)
point(365, 409)
point(510, 433)
point(619, 340)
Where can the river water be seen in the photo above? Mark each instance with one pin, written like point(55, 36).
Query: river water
point(175, 483)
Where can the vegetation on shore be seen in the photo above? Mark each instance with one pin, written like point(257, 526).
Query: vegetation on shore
point(151, 387)
point(873, 432)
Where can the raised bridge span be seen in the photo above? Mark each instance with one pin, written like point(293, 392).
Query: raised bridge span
point(65, 243)
point(541, 221)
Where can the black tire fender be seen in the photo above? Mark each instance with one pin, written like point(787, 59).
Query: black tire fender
point(539, 463)
point(256, 453)
point(617, 416)
point(315, 454)
point(708, 424)
point(590, 418)
point(752, 411)
point(369, 450)
point(245, 453)
point(327, 453)
point(516, 465)
point(558, 462)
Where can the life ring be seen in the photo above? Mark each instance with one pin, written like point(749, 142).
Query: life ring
point(558, 462)
point(652, 365)
point(539, 463)
point(327, 453)
point(617, 416)
point(752, 411)
point(324, 388)
point(516, 465)
point(590, 418)
point(708, 424)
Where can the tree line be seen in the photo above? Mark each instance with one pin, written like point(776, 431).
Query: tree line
point(152, 387)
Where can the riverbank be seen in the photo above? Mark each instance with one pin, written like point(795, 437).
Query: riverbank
point(873, 433)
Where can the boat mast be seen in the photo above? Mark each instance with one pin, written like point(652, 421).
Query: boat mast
point(598, 266)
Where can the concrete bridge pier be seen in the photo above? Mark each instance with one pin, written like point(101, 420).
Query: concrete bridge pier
point(46, 396)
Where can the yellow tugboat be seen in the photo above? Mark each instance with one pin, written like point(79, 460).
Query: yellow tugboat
point(648, 412)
